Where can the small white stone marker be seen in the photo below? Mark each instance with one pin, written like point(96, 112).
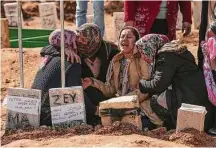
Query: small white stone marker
point(48, 15)
point(191, 116)
point(67, 107)
point(118, 24)
point(23, 108)
point(11, 13)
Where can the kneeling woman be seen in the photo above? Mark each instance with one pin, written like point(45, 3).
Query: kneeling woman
point(175, 79)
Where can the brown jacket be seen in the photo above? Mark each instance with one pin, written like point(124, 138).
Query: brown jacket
point(137, 69)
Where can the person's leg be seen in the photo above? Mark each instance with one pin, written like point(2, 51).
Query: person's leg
point(81, 10)
point(99, 14)
point(160, 26)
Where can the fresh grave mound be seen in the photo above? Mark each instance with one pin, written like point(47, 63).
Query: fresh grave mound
point(190, 137)
point(117, 129)
point(193, 137)
point(44, 132)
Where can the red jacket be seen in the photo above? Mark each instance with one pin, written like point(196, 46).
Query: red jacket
point(143, 13)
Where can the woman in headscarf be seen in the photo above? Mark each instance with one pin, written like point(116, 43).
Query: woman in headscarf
point(175, 79)
point(88, 48)
point(209, 68)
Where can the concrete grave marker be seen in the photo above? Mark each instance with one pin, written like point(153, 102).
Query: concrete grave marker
point(67, 107)
point(48, 15)
point(179, 21)
point(90, 9)
point(191, 116)
point(5, 39)
point(23, 108)
point(124, 109)
point(118, 24)
point(90, 18)
point(11, 13)
point(197, 8)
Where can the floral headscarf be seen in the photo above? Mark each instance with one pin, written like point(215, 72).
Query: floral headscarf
point(92, 35)
point(209, 52)
point(148, 46)
point(89, 32)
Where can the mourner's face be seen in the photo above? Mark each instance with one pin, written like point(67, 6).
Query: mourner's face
point(81, 39)
point(127, 40)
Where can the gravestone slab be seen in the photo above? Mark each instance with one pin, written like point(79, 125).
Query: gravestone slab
point(191, 116)
point(23, 108)
point(5, 39)
point(67, 107)
point(11, 13)
point(197, 8)
point(90, 18)
point(118, 24)
point(48, 15)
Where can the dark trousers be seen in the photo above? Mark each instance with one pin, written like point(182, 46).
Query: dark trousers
point(160, 26)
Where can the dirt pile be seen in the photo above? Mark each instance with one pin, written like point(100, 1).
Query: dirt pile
point(44, 132)
point(117, 129)
point(192, 137)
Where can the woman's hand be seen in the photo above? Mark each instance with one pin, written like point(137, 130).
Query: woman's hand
point(72, 56)
point(86, 82)
point(129, 23)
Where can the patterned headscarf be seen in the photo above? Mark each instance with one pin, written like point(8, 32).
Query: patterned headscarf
point(92, 35)
point(209, 53)
point(148, 46)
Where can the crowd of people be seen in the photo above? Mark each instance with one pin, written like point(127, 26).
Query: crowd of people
point(147, 62)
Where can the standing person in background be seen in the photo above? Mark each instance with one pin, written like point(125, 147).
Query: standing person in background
point(157, 16)
point(208, 15)
point(81, 11)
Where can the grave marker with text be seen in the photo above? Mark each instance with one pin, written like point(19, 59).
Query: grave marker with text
point(67, 107)
point(23, 108)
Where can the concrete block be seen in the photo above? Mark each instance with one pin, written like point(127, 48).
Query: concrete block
point(126, 108)
point(48, 15)
point(191, 116)
point(90, 9)
point(23, 108)
point(90, 18)
point(5, 39)
point(67, 106)
point(118, 24)
point(120, 102)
